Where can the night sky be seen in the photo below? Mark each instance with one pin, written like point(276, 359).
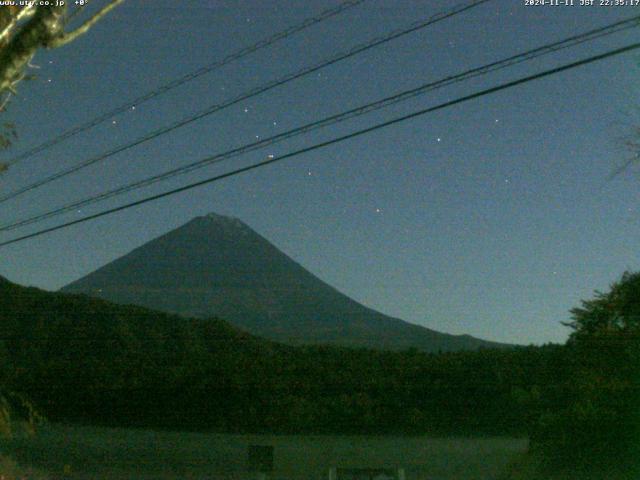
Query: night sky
point(493, 217)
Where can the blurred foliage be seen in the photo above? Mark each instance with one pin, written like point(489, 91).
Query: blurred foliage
point(18, 417)
point(594, 425)
point(8, 135)
point(10, 470)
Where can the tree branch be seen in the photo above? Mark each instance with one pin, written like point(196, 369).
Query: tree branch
point(84, 28)
point(44, 29)
point(4, 104)
point(46, 23)
point(23, 13)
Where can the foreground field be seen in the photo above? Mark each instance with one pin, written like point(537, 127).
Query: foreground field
point(99, 453)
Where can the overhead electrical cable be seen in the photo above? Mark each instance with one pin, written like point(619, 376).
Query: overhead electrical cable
point(333, 141)
point(232, 57)
point(343, 116)
point(244, 96)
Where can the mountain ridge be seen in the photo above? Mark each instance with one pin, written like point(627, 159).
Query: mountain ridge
point(216, 265)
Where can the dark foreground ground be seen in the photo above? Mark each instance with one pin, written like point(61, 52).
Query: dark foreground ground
point(61, 451)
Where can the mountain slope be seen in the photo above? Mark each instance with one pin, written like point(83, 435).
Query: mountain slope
point(218, 266)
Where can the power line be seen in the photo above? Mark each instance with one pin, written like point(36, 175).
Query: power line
point(343, 116)
point(265, 42)
point(246, 95)
point(333, 141)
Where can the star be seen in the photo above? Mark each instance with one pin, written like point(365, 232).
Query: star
point(438, 139)
point(246, 110)
point(270, 156)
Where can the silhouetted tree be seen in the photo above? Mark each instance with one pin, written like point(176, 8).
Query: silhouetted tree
point(595, 424)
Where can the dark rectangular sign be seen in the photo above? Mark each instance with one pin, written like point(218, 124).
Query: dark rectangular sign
point(367, 474)
point(260, 458)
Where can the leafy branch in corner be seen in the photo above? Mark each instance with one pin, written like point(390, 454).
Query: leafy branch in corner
point(24, 30)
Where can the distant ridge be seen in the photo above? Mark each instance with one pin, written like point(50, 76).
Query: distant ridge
point(218, 266)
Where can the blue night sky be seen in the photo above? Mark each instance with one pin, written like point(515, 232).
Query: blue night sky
point(493, 217)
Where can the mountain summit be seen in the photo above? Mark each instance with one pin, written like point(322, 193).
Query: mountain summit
point(218, 266)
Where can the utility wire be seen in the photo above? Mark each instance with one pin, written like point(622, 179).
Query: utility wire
point(361, 110)
point(333, 141)
point(246, 95)
point(266, 42)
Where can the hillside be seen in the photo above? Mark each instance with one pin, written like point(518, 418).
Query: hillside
point(218, 266)
point(88, 360)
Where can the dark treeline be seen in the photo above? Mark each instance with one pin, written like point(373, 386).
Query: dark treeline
point(86, 360)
